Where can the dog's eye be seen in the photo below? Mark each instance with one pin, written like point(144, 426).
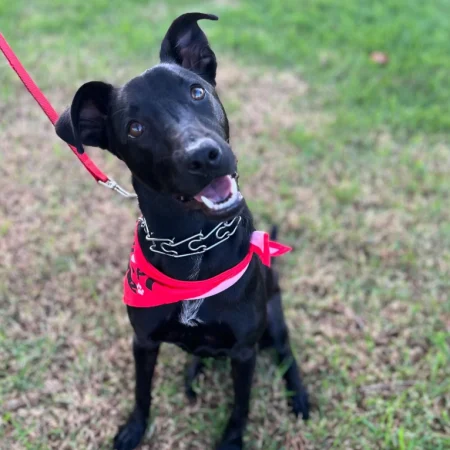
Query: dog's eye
point(197, 92)
point(135, 129)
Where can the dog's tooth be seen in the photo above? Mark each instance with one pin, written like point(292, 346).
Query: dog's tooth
point(234, 188)
point(207, 202)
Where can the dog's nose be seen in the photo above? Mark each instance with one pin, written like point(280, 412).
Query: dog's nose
point(206, 157)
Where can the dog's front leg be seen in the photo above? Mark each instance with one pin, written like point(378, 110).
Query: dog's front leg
point(131, 433)
point(242, 369)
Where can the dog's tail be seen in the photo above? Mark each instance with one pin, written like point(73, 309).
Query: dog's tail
point(274, 233)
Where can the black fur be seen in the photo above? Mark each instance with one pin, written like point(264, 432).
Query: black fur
point(165, 177)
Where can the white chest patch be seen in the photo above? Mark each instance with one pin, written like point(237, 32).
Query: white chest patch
point(190, 308)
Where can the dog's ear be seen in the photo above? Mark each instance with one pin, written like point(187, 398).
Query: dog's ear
point(85, 121)
point(185, 44)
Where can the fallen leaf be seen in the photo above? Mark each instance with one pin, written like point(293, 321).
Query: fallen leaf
point(380, 58)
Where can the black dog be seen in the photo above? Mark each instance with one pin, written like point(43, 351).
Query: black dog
point(170, 128)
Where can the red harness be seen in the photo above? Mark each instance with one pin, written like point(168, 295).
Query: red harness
point(146, 287)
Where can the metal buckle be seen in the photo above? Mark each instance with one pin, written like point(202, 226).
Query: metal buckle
point(111, 184)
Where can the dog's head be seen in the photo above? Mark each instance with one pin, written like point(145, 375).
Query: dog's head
point(167, 124)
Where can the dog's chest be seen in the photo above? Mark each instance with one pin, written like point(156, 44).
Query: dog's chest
point(194, 327)
point(211, 326)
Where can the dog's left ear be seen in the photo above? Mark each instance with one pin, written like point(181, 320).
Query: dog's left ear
point(185, 44)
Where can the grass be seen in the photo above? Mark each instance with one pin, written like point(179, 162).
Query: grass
point(352, 159)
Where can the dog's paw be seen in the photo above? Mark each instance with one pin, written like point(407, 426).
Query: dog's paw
point(236, 444)
point(130, 435)
point(229, 447)
point(300, 404)
point(191, 395)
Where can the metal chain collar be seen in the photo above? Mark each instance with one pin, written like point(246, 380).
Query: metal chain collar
point(195, 244)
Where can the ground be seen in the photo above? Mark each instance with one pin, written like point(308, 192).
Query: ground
point(347, 149)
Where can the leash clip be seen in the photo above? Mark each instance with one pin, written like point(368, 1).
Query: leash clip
point(111, 184)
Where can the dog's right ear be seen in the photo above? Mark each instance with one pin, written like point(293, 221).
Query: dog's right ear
point(85, 121)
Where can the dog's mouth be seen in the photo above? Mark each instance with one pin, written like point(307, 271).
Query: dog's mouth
point(220, 198)
point(221, 195)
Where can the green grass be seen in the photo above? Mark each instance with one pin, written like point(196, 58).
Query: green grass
point(327, 42)
point(355, 167)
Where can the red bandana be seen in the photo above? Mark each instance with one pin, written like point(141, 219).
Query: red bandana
point(145, 286)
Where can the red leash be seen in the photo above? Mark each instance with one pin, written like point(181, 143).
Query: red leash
point(37, 94)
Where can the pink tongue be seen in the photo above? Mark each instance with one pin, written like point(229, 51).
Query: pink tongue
point(216, 191)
